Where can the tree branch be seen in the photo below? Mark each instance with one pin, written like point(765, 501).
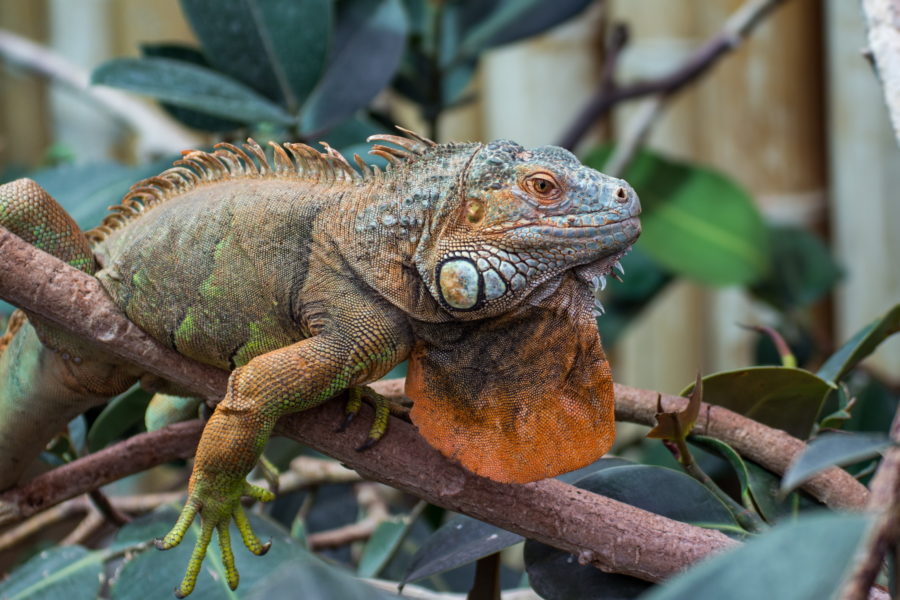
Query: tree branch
point(884, 502)
point(883, 23)
point(611, 535)
point(156, 133)
point(735, 30)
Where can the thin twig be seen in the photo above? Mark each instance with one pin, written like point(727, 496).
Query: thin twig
point(81, 505)
point(106, 509)
point(883, 537)
point(157, 134)
point(375, 508)
point(635, 137)
point(88, 526)
point(735, 30)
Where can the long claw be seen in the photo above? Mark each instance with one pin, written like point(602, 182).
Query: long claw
point(348, 418)
point(367, 444)
point(354, 403)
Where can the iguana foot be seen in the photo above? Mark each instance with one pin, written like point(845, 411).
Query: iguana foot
point(218, 500)
point(384, 408)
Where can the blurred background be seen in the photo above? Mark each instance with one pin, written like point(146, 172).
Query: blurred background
point(793, 120)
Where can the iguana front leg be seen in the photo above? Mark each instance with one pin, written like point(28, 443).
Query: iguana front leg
point(291, 379)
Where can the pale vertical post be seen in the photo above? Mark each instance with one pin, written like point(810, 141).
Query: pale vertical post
point(865, 178)
point(24, 128)
point(664, 347)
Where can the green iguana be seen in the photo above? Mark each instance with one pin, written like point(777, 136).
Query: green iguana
point(305, 277)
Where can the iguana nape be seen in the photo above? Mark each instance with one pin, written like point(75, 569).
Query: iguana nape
point(306, 277)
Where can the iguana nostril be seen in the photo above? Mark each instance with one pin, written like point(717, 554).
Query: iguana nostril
point(621, 195)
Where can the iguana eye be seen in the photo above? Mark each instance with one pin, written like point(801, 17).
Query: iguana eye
point(543, 187)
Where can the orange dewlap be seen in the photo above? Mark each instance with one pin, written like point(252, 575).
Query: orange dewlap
point(524, 398)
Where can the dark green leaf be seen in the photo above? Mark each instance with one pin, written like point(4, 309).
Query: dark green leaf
point(190, 86)
point(368, 46)
point(314, 580)
point(662, 491)
point(353, 132)
point(806, 559)
point(556, 574)
point(463, 539)
point(836, 408)
point(802, 269)
point(191, 118)
point(65, 573)
point(380, 548)
point(875, 406)
point(861, 345)
point(459, 541)
point(832, 449)
point(513, 20)
point(121, 414)
point(765, 488)
point(780, 397)
point(277, 47)
point(696, 222)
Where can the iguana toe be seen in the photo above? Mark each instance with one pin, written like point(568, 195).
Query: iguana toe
point(217, 499)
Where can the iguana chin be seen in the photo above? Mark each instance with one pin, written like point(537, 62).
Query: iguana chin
point(305, 276)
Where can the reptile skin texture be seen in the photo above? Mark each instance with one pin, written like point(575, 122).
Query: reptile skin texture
point(305, 276)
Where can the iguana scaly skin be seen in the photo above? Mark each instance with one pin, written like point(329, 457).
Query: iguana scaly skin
point(305, 276)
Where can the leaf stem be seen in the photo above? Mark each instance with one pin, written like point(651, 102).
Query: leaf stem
point(747, 518)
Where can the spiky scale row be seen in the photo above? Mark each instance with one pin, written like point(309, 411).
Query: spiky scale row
point(229, 161)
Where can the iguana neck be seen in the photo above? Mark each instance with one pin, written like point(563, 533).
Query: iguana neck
point(396, 216)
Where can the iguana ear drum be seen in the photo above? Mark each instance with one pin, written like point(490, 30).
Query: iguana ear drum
point(460, 283)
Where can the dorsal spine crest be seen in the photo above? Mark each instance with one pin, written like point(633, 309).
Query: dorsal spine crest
point(229, 162)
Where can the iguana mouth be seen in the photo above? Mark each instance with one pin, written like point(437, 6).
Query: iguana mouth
point(624, 230)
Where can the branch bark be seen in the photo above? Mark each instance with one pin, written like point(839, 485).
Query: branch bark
point(609, 534)
point(883, 23)
point(884, 502)
point(735, 30)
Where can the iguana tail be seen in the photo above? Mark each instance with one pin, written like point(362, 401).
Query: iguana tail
point(47, 376)
point(16, 320)
point(27, 210)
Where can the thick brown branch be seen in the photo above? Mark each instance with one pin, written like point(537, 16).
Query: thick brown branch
point(738, 26)
point(884, 503)
point(772, 448)
point(46, 286)
point(612, 535)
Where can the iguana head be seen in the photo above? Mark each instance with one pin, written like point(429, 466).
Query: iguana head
point(515, 384)
point(520, 218)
